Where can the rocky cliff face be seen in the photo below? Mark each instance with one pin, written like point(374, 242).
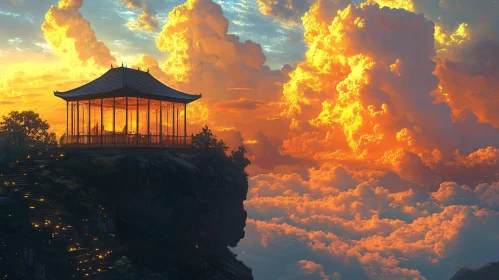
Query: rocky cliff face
point(149, 215)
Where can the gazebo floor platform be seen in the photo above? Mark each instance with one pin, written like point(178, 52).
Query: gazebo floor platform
point(127, 141)
point(114, 151)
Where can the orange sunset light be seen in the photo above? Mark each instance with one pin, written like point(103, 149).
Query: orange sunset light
point(372, 126)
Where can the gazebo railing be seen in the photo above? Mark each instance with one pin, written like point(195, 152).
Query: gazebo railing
point(128, 140)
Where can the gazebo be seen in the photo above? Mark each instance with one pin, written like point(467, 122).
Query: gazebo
point(126, 108)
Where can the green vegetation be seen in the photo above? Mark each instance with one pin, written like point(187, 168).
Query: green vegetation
point(22, 133)
point(212, 149)
point(207, 142)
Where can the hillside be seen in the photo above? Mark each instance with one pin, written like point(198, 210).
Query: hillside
point(133, 215)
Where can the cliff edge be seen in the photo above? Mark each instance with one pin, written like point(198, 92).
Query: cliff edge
point(139, 214)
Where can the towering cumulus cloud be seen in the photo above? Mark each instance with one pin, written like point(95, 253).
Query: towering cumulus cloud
point(366, 91)
point(231, 75)
point(408, 195)
point(72, 37)
point(466, 40)
point(205, 56)
point(368, 74)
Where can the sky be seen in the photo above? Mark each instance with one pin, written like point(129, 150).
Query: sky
point(372, 128)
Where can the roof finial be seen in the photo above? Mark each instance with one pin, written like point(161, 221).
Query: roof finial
point(147, 69)
point(111, 66)
point(122, 64)
point(138, 68)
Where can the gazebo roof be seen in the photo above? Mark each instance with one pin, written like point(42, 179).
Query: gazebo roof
point(123, 81)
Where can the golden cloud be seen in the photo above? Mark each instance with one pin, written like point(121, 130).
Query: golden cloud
point(366, 86)
point(205, 58)
point(72, 37)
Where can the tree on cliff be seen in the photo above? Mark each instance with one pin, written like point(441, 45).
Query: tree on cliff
point(21, 132)
point(207, 141)
point(238, 156)
point(25, 127)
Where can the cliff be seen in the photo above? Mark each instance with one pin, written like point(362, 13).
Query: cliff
point(133, 215)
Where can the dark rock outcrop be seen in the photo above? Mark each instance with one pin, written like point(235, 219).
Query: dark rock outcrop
point(488, 271)
point(148, 214)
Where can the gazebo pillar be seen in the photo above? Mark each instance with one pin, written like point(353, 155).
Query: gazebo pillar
point(72, 121)
point(67, 120)
point(173, 124)
point(83, 123)
point(126, 121)
point(101, 120)
point(114, 121)
point(78, 121)
point(185, 124)
point(148, 121)
point(137, 132)
point(89, 123)
point(177, 129)
point(160, 123)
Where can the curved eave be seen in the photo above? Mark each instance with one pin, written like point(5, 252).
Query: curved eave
point(126, 92)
